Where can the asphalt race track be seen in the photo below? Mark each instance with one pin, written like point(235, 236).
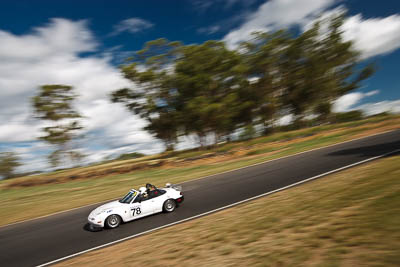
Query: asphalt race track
point(46, 239)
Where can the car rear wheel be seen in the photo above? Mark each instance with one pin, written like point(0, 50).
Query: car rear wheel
point(169, 205)
point(113, 221)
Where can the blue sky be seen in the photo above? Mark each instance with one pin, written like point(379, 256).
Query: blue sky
point(185, 20)
point(82, 42)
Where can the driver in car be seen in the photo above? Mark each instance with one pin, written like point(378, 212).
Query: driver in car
point(151, 190)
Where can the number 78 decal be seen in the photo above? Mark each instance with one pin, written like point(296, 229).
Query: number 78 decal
point(136, 210)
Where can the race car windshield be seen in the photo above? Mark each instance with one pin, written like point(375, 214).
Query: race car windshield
point(128, 198)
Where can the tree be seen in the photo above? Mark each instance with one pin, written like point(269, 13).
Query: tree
point(320, 68)
point(9, 161)
point(133, 155)
point(263, 57)
point(54, 104)
point(302, 75)
point(209, 81)
point(184, 89)
point(248, 133)
point(154, 97)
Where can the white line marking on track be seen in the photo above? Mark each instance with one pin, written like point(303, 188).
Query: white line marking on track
point(218, 209)
point(204, 177)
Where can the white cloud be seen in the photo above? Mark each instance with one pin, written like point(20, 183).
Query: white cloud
point(132, 25)
point(348, 101)
point(276, 14)
point(285, 120)
point(371, 93)
point(379, 107)
point(375, 36)
point(58, 38)
point(48, 55)
point(114, 127)
point(209, 30)
point(344, 103)
point(323, 18)
point(372, 36)
point(17, 132)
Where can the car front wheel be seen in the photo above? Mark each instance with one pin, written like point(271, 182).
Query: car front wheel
point(169, 205)
point(113, 221)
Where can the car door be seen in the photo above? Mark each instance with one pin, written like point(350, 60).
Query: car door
point(158, 200)
point(140, 207)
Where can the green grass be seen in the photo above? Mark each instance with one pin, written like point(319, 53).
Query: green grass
point(351, 218)
point(20, 203)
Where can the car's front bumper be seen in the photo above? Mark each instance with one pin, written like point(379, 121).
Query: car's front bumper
point(95, 222)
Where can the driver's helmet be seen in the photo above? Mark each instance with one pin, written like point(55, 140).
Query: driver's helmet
point(142, 190)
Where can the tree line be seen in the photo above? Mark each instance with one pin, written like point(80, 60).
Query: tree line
point(207, 90)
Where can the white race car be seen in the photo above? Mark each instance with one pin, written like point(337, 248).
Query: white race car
point(136, 204)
